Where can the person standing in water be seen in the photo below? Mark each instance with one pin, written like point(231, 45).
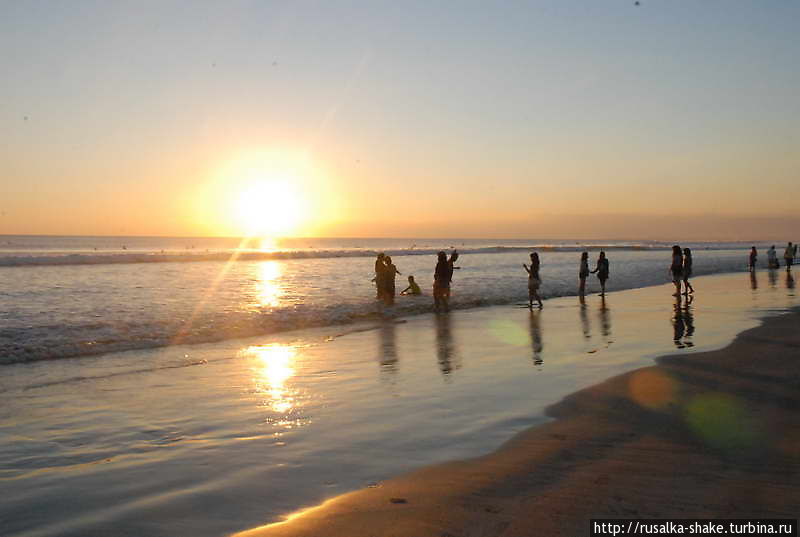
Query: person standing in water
point(583, 272)
point(687, 271)
point(772, 258)
point(441, 283)
point(676, 269)
point(534, 282)
point(753, 258)
point(389, 276)
point(788, 256)
point(602, 272)
point(380, 272)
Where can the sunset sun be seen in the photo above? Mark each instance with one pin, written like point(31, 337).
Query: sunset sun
point(269, 208)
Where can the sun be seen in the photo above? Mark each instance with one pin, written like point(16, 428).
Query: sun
point(269, 208)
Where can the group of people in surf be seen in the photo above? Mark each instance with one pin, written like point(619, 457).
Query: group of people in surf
point(772, 257)
point(386, 272)
point(680, 271)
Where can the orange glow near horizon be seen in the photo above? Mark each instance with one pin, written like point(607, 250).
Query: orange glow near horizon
point(269, 208)
point(265, 194)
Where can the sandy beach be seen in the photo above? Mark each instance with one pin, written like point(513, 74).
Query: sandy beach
point(710, 435)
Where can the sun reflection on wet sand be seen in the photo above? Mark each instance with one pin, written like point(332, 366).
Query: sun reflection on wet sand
point(274, 367)
point(269, 290)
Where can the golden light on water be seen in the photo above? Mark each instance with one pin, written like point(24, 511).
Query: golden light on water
point(274, 367)
point(268, 286)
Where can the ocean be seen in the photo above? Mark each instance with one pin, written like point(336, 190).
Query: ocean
point(163, 386)
point(64, 297)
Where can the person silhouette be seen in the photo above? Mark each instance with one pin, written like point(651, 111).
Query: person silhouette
point(772, 258)
point(602, 272)
point(583, 272)
point(442, 276)
point(788, 256)
point(686, 273)
point(751, 263)
point(533, 280)
point(379, 279)
point(390, 272)
point(676, 268)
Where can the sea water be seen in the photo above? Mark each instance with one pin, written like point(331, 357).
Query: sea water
point(171, 436)
point(74, 296)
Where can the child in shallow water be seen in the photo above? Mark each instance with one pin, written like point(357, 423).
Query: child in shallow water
point(412, 289)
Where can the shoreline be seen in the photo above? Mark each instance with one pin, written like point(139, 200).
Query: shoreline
point(405, 308)
point(704, 435)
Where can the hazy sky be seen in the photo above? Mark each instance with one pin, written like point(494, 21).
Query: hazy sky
point(562, 118)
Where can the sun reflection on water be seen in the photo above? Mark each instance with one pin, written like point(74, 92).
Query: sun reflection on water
point(274, 367)
point(269, 290)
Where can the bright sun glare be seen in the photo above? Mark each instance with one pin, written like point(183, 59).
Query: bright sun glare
point(269, 208)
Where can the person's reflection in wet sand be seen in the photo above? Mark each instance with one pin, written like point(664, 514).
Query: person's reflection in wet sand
point(789, 280)
point(387, 350)
point(753, 280)
point(678, 324)
point(446, 352)
point(683, 323)
point(773, 278)
point(605, 319)
point(688, 319)
point(536, 337)
point(587, 329)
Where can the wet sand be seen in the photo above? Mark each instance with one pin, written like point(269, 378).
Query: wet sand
point(713, 435)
